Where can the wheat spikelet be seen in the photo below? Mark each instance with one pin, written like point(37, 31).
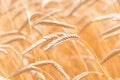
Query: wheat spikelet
point(61, 39)
point(56, 23)
point(83, 74)
point(44, 62)
point(44, 39)
point(110, 55)
point(41, 76)
point(111, 29)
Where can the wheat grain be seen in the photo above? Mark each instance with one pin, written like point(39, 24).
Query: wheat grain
point(110, 55)
point(83, 74)
point(61, 39)
point(40, 63)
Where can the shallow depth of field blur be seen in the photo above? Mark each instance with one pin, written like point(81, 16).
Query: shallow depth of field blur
point(80, 39)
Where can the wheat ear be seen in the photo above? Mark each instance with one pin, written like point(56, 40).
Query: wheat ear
point(40, 63)
point(113, 16)
point(61, 39)
point(44, 39)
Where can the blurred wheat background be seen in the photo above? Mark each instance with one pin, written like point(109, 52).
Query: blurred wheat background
point(59, 40)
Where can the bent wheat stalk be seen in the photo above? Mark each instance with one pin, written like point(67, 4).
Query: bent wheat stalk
point(84, 74)
point(56, 23)
point(76, 7)
point(14, 39)
point(110, 55)
point(111, 29)
point(3, 51)
point(111, 34)
point(113, 16)
point(40, 63)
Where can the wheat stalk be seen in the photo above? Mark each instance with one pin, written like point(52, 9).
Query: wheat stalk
point(14, 39)
point(34, 15)
point(40, 63)
point(3, 51)
point(111, 34)
point(84, 74)
point(9, 33)
point(113, 16)
point(76, 7)
point(12, 48)
point(111, 29)
point(110, 55)
point(56, 23)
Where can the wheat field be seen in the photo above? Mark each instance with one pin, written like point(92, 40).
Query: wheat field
point(59, 40)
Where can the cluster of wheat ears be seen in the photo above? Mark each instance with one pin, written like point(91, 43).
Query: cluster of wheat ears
point(59, 40)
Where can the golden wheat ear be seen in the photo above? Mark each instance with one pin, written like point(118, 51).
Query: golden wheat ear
point(84, 74)
point(40, 63)
point(62, 39)
point(110, 55)
point(44, 39)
